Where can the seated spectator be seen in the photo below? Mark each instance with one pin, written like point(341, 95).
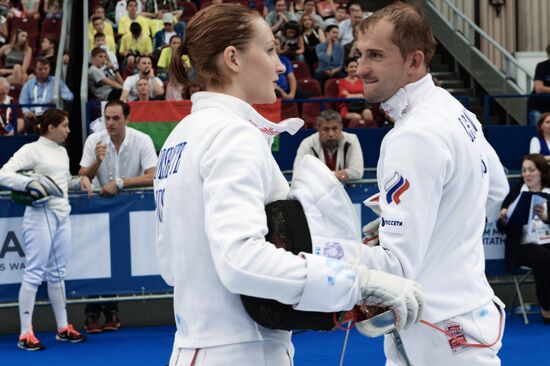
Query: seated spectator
point(352, 87)
point(133, 17)
point(135, 44)
point(286, 86)
point(143, 90)
point(523, 248)
point(31, 8)
point(350, 49)
point(279, 17)
point(166, 57)
point(4, 32)
point(104, 83)
point(48, 50)
point(340, 15)
point(326, 8)
point(145, 67)
point(540, 144)
point(98, 24)
point(294, 7)
point(8, 123)
point(312, 37)
point(309, 9)
point(331, 57)
point(292, 43)
point(39, 90)
point(53, 9)
point(163, 37)
point(339, 150)
point(538, 104)
point(346, 26)
point(99, 11)
point(17, 58)
point(112, 61)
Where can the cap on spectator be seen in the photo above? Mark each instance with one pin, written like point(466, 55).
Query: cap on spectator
point(167, 18)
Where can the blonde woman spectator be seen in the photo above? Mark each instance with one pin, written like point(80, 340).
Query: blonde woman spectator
point(17, 58)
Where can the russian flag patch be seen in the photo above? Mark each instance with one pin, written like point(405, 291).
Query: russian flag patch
point(395, 187)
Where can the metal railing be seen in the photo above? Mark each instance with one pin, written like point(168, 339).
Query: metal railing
point(510, 68)
point(67, 8)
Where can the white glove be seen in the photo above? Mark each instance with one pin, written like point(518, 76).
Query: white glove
point(48, 184)
point(37, 192)
point(370, 232)
point(402, 296)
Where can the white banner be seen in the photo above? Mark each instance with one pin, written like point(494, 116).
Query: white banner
point(493, 242)
point(142, 243)
point(90, 248)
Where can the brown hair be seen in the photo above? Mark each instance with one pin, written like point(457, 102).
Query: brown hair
point(15, 36)
point(539, 124)
point(52, 117)
point(97, 50)
point(208, 34)
point(542, 166)
point(411, 33)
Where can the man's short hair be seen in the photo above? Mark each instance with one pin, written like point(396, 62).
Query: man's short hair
point(41, 60)
point(96, 17)
point(97, 50)
point(145, 56)
point(125, 106)
point(328, 115)
point(330, 27)
point(131, 1)
point(99, 35)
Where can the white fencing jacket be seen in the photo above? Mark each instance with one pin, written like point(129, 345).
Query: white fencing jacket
point(214, 177)
point(437, 176)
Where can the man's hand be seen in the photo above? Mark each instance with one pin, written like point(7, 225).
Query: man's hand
point(100, 151)
point(109, 189)
point(370, 231)
point(342, 175)
point(86, 185)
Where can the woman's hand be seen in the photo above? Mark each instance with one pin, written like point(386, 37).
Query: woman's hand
point(503, 214)
point(541, 212)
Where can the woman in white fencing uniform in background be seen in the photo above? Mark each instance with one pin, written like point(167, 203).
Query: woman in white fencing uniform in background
point(46, 225)
point(214, 177)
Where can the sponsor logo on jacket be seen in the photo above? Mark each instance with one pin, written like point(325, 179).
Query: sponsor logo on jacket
point(393, 224)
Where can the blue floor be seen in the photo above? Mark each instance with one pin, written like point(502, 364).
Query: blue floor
point(151, 346)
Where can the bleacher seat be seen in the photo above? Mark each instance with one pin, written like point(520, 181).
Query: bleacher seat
point(51, 27)
point(331, 91)
point(310, 111)
point(301, 70)
point(289, 110)
point(310, 85)
point(27, 23)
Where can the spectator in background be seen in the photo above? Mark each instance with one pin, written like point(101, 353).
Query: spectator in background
point(133, 17)
point(135, 44)
point(530, 249)
point(39, 90)
point(540, 104)
point(4, 32)
point(98, 24)
point(163, 37)
point(17, 57)
point(340, 15)
point(279, 17)
point(286, 86)
point(48, 50)
point(112, 61)
point(326, 8)
point(540, 144)
point(145, 67)
point(312, 37)
point(294, 7)
point(292, 43)
point(31, 8)
point(53, 9)
point(331, 57)
point(309, 9)
point(352, 87)
point(8, 122)
point(104, 84)
point(115, 158)
point(121, 9)
point(350, 49)
point(143, 90)
point(178, 80)
point(346, 26)
point(166, 57)
point(99, 11)
point(339, 150)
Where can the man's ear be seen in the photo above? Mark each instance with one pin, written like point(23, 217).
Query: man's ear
point(230, 58)
point(416, 61)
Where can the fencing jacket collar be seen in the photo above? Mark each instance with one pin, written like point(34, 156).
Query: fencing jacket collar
point(237, 106)
point(405, 98)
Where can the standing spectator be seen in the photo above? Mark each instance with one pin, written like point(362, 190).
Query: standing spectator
point(145, 67)
point(134, 44)
point(39, 90)
point(132, 17)
point(104, 84)
point(339, 150)
point(309, 9)
point(17, 57)
point(46, 226)
point(331, 57)
point(312, 37)
point(279, 17)
point(99, 11)
point(8, 122)
point(98, 24)
point(48, 50)
point(540, 144)
point(352, 87)
point(115, 158)
point(346, 26)
point(112, 61)
point(538, 104)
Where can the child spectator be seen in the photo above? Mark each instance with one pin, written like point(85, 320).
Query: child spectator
point(99, 41)
point(98, 24)
point(99, 11)
point(17, 57)
point(104, 84)
point(135, 44)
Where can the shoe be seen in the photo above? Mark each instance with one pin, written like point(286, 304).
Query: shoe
point(112, 322)
point(69, 334)
point(29, 342)
point(91, 324)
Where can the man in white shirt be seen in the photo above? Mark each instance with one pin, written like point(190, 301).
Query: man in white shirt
point(346, 26)
point(145, 67)
point(339, 150)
